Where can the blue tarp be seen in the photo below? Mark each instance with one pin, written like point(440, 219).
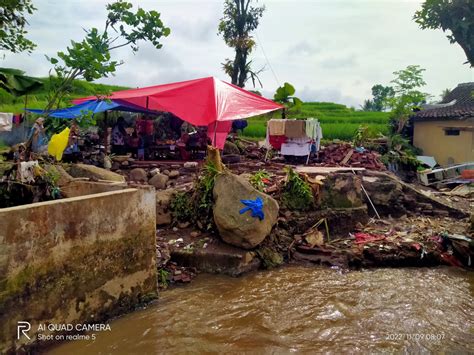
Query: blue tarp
point(95, 106)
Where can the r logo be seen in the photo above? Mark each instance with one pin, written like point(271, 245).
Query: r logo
point(22, 328)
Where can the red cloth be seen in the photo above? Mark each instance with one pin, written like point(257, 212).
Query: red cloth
point(223, 129)
point(277, 141)
point(199, 102)
point(362, 238)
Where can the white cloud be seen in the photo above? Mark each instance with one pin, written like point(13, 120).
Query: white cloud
point(329, 50)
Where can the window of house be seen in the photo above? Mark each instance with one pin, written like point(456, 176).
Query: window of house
point(452, 132)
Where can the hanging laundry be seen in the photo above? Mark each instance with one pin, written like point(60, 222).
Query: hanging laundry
point(276, 127)
point(311, 128)
point(6, 122)
point(295, 129)
point(276, 141)
point(295, 149)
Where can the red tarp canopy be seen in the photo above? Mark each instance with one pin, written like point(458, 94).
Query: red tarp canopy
point(199, 102)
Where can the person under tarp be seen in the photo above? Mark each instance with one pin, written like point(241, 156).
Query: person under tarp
point(201, 102)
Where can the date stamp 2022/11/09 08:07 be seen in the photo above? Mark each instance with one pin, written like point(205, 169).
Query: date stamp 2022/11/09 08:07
point(415, 336)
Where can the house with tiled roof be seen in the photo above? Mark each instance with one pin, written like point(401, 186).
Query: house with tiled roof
point(446, 130)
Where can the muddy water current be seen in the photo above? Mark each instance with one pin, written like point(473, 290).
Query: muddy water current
point(299, 309)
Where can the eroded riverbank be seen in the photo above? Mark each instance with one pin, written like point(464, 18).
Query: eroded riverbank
point(297, 308)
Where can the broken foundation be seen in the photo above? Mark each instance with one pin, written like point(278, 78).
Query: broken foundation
point(78, 260)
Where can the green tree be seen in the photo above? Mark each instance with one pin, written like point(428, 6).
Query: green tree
point(382, 94)
point(457, 16)
point(240, 19)
point(407, 96)
point(91, 58)
point(368, 105)
point(12, 25)
point(445, 93)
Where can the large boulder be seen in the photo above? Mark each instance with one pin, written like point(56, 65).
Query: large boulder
point(138, 174)
point(241, 230)
point(163, 202)
point(93, 172)
point(159, 181)
point(341, 190)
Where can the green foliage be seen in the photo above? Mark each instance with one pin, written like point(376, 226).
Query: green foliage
point(400, 151)
point(91, 58)
point(16, 83)
point(270, 257)
point(181, 207)
point(202, 199)
point(297, 194)
point(163, 278)
point(407, 96)
point(284, 95)
point(381, 94)
point(12, 25)
point(239, 20)
point(456, 16)
point(258, 179)
point(361, 136)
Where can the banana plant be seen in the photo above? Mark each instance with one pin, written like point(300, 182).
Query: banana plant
point(284, 95)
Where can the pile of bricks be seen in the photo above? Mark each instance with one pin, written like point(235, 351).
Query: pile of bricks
point(346, 155)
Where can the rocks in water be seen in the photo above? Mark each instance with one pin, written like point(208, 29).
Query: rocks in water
point(93, 172)
point(173, 174)
point(166, 172)
point(138, 174)
point(159, 181)
point(163, 202)
point(241, 230)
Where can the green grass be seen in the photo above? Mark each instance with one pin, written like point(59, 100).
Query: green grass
point(337, 121)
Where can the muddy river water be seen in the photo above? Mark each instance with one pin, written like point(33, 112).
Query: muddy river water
point(301, 309)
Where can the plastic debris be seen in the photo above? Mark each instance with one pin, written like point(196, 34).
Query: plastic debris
point(254, 206)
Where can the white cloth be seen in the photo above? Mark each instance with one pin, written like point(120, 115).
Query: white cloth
point(6, 122)
point(296, 149)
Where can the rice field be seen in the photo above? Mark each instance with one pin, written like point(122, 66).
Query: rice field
point(337, 121)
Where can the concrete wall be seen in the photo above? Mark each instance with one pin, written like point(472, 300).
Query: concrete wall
point(431, 138)
point(82, 188)
point(75, 260)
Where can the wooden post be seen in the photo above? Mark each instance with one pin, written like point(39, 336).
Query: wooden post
point(214, 157)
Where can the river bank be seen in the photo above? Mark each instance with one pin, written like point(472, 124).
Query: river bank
point(295, 308)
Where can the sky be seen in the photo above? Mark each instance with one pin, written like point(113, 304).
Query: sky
point(330, 50)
